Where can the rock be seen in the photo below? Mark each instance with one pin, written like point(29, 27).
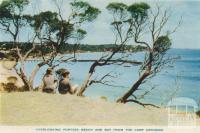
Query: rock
point(2, 55)
point(8, 75)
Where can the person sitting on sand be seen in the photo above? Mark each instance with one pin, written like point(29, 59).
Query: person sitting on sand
point(49, 82)
point(64, 84)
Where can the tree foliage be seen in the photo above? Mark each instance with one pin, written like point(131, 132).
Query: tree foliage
point(139, 11)
point(12, 7)
point(83, 12)
point(119, 12)
point(113, 7)
point(162, 44)
point(49, 25)
point(11, 17)
point(141, 21)
point(51, 29)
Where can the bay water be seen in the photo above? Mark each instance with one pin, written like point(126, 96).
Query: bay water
point(181, 79)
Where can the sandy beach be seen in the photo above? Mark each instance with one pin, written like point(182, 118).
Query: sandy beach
point(36, 108)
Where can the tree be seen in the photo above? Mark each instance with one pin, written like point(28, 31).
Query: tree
point(50, 28)
point(54, 31)
point(12, 20)
point(119, 13)
point(152, 23)
point(11, 17)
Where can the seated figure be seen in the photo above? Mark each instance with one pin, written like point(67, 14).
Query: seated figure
point(64, 84)
point(49, 82)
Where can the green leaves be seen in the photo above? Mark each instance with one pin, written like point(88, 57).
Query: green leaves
point(83, 11)
point(49, 22)
point(11, 16)
point(162, 44)
point(48, 26)
point(48, 17)
point(64, 29)
point(138, 7)
point(116, 23)
point(81, 31)
point(136, 13)
point(113, 7)
point(79, 4)
point(11, 7)
point(4, 10)
point(119, 14)
point(139, 11)
point(12, 10)
point(91, 13)
point(80, 34)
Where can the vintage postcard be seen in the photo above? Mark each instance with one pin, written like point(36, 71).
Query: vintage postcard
point(105, 66)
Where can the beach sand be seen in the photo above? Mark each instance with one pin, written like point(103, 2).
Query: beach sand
point(37, 108)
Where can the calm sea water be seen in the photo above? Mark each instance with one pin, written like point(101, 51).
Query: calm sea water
point(181, 80)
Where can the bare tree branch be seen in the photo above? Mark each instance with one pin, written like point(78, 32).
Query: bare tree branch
point(140, 103)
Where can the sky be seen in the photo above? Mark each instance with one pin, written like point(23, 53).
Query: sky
point(99, 31)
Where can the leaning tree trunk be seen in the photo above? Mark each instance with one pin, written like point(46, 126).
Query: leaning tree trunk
point(84, 85)
point(135, 87)
point(27, 86)
point(86, 81)
point(34, 72)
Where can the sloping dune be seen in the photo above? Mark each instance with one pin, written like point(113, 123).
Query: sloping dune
point(36, 108)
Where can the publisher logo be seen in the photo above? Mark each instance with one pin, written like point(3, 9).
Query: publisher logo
point(182, 112)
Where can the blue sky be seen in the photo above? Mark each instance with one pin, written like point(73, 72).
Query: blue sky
point(99, 32)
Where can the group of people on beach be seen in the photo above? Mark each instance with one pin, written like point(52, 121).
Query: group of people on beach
point(51, 83)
